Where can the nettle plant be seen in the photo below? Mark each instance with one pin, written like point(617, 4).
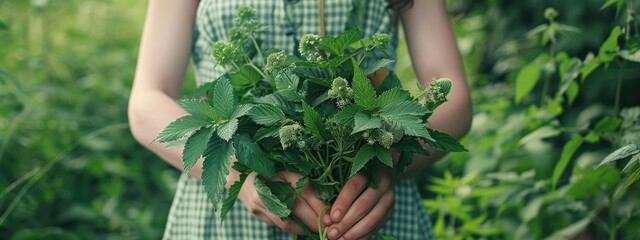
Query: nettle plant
point(317, 115)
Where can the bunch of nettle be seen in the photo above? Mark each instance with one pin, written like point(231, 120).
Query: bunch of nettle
point(316, 114)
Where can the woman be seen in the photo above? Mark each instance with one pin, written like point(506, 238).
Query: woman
point(175, 30)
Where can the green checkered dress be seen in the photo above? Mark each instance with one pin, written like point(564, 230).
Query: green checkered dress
point(192, 216)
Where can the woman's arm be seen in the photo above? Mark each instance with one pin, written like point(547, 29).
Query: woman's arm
point(359, 211)
point(162, 60)
point(164, 54)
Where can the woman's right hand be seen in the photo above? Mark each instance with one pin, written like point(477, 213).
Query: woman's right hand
point(306, 208)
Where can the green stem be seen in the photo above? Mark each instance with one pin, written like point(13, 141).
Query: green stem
point(255, 44)
point(612, 220)
point(616, 103)
point(547, 79)
point(257, 69)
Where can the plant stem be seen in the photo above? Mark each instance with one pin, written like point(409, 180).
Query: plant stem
point(255, 44)
point(547, 79)
point(612, 220)
point(321, 232)
point(616, 103)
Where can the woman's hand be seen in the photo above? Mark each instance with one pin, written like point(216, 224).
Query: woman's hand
point(359, 211)
point(306, 208)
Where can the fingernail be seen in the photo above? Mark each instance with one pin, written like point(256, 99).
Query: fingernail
point(336, 216)
point(326, 219)
point(341, 238)
point(333, 233)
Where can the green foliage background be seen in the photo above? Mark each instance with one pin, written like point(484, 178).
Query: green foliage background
point(69, 168)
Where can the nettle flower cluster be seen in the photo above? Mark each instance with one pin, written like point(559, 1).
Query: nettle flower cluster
point(313, 112)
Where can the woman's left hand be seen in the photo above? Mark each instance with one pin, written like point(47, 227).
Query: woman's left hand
point(359, 210)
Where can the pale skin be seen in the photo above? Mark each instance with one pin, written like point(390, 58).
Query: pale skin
point(359, 211)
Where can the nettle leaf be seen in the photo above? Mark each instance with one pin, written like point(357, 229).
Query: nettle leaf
point(363, 122)
point(266, 115)
point(232, 196)
point(199, 108)
point(270, 200)
point(227, 129)
point(445, 142)
point(278, 101)
point(215, 168)
point(246, 76)
point(567, 151)
point(328, 44)
point(348, 37)
point(404, 160)
point(620, 153)
point(320, 99)
point(222, 98)
point(392, 95)
point(364, 154)
point(391, 81)
point(526, 80)
point(241, 110)
point(383, 155)
point(404, 107)
point(181, 128)
point(313, 121)
point(316, 73)
point(195, 147)
point(249, 154)
point(609, 49)
point(410, 125)
point(267, 132)
point(377, 65)
point(364, 94)
point(346, 115)
point(287, 85)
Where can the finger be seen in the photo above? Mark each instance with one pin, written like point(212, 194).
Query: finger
point(309, 195)
point(360, 208)
point(351, 190)
point(373, 220)
point(306, 214)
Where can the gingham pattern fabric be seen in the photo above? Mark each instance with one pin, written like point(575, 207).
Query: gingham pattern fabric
point(191, 215)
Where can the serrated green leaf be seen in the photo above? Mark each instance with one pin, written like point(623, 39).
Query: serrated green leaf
point(195, 147)
point(383, 155)
point(273, 204)
point(404, 107)
point(232, 196)
point(567, 151)
point(365, 122)
point(391, 81)
point(378, 64)
point(364, 154)
point(444, 142)
point(266, 132)
point(246, 76)
point(364, 94)
point(346, 115)
point(526, 80)
point(393, 95)
point(222, 99)
point(348, 37)
point(227, 129)
point(589, 65)
point(215, 168)
point(320, 99)
point(620, 153)
point(609, 49)
point(279, 101)
point(315, 73)
point(409, 125)
point(241, 110)
point(313, 121)
point(287, 85)
point(249, 154)
point(328, 44)
point(181, 128)
point(199, 108)
point(266, 115)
